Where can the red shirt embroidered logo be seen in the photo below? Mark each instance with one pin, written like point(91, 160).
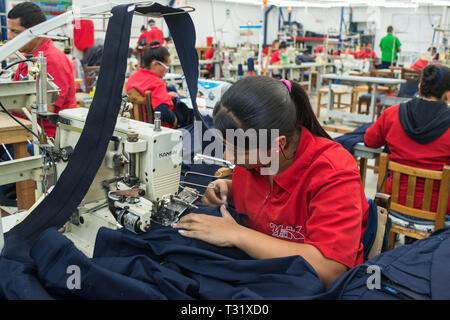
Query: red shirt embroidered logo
point(287, 232)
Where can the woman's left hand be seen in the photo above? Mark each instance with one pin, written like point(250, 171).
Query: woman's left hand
point(220, 231)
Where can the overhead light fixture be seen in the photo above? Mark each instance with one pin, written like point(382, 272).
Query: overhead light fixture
point(433, 2)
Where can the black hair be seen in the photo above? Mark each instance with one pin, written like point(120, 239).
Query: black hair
point(151, 21)
point(30, 14)
point(435, 81)
point(390, 29)
point(143, 28)
point(261, 102)
point(155, 52)
point(282, 45)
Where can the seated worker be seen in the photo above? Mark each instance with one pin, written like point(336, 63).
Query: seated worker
point(417, 132)
point(26, 15)
point(141, 43)
point(275, 44)
point(150, 77)
point(311, 204)
point(209, 55)
point(275, 57)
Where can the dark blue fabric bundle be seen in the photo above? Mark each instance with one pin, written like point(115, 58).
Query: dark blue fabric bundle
point(160, 264)
point(416, 271)
point(349, 140)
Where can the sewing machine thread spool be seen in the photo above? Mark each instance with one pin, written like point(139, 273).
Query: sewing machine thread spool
point(133, 179)
point(157, 121)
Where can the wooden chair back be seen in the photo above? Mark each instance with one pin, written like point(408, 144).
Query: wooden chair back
point(90, 76)
point(411, 75)
point(413, 173)
point(383, 202)
point(381, 73)
point(142, 105)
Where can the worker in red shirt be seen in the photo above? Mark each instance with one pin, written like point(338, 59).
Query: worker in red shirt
point(150, 77)
point(26, 15)
point(154, 34)
point(209, 55)
point(275, 44)
point(301, 190)
point(142, 41)
point(417, 132)
point(275, 57)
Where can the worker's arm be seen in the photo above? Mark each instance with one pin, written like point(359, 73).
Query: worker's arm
point(50, 108)
point(226, 232)
point(375, 134)
point(167, 115)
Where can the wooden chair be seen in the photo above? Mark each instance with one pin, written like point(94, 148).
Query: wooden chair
point(383, 202)
point(90, 76)
point(337, 92)
point(142, 105)
point(408, 209)
point(365, 99)
point(383, 74)
point(357, 91)
point(411, 74)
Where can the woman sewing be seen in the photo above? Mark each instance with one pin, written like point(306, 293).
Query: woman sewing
point(312, 204)
point(417, 133)
point(150, 77)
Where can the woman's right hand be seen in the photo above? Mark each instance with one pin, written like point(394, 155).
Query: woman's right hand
point(218, 193)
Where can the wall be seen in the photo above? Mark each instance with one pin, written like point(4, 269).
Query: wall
point(221, 20)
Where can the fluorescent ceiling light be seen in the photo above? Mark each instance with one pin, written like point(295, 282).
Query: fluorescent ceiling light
point(433, 2)
point(343, 3)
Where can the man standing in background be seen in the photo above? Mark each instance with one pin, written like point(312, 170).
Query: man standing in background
point(390, 46)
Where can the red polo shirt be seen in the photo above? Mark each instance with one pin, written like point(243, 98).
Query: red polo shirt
point(275, 57)
point(433, 156)
point(318, 199)
point(144, 80)
point(209, 54)
point(60, 68)
point(155, 34)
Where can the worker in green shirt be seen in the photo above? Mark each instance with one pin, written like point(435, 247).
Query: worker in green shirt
point(389, 46)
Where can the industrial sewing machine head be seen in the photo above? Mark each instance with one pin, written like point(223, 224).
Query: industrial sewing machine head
point(212, 91)
point(139, 177)
point(291, 54)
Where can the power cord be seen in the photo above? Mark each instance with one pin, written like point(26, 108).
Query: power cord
point(48, 154)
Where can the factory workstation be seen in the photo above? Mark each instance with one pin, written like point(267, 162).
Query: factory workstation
point(225, 150)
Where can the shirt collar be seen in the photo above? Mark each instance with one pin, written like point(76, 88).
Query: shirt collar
point(288, 179)
point(143, 70)
point(43, 47)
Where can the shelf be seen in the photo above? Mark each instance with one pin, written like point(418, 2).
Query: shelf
point(309, 39)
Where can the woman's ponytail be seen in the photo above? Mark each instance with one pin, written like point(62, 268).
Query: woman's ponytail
point(305, 113)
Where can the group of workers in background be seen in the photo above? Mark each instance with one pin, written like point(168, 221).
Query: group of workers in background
point(316, 194)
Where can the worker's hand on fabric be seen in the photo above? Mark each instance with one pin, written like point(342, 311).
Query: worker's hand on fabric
point(173, 94)
point(219, 231)
point(216, 194)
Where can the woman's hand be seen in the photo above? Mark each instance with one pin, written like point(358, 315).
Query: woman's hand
point(219, 231)
point(173, 94)
point(217, 193)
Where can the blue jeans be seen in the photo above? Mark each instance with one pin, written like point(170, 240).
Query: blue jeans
point(386, 64)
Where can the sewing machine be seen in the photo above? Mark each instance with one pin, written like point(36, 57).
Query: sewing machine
point(212, 91)
point(291, 54)
point(242, 55)
point(138, 181)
